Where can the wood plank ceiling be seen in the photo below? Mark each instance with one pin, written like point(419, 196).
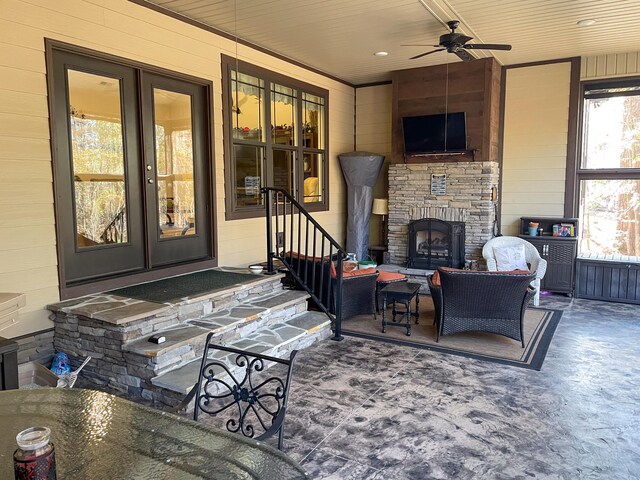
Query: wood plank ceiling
point(339, 37)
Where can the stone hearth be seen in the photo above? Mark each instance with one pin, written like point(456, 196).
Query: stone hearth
point(467, 199)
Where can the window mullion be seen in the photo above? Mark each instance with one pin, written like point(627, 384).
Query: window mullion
point(299, 150)
point(268, 151)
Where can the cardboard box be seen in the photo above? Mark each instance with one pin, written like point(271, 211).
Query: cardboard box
point(32, 374)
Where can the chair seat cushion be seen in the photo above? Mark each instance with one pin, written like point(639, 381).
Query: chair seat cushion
point(358, 273)
point(390, 277)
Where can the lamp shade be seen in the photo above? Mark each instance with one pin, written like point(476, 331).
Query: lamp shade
point(380, 206)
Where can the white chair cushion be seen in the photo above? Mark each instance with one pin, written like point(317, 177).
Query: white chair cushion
point(510, 258)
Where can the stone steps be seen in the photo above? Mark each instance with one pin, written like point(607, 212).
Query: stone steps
point(255, 314)
point(186, 341)
point(275, 340)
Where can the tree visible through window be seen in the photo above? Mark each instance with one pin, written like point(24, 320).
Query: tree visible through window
point(97, 150)
point(609, 173)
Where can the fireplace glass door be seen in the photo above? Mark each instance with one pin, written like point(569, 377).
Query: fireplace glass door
point(435, 243)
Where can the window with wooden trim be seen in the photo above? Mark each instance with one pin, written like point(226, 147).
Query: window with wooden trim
point(608, 173)
point(276, 136)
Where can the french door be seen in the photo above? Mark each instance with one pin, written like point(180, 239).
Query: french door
point(130, 168)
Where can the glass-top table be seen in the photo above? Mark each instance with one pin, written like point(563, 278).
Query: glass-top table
point(99, 436)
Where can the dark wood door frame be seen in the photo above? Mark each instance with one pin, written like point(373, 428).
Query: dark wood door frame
point(70, 290)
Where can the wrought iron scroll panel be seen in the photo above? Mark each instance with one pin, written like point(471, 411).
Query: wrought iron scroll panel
point(253, 402)
point(307, 251)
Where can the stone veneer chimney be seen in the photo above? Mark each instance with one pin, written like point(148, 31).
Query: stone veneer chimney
point(467, 199)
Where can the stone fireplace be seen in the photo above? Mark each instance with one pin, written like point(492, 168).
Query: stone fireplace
point(468, 200)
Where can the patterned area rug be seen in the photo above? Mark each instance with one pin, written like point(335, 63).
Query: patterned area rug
point(539, 326)
point(172, 289)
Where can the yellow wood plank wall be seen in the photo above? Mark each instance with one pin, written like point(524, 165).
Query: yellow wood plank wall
point(612, 65)
point(535, 143)
point(27, 226)
point(373, 134)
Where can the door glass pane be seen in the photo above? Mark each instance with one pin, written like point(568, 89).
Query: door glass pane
point(174, 163)
point(312, 121)
point(313, 170)
point(248, 174)
point(610, 217)
point(611, 132)
point(95, 123)
point(283, 169)
point(283, 115)
point(247, 107)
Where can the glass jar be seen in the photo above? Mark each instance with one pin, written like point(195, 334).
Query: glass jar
point(35, 458)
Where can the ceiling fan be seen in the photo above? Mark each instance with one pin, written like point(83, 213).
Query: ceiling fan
point(457, 43)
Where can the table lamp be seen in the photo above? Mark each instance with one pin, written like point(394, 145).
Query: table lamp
point(381, 207)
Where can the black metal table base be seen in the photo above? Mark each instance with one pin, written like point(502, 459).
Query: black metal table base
point(401, 293)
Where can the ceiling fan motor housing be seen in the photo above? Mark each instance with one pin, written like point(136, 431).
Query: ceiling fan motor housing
point(453, 40)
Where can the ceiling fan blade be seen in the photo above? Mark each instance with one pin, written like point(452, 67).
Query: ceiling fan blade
point(487, 46)
point(429, 53)
point(418, 45)
point(464, 55)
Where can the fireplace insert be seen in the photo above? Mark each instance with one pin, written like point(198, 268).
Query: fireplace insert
point(435, 243)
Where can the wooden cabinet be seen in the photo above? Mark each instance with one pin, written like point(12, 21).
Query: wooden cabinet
point(559, 252)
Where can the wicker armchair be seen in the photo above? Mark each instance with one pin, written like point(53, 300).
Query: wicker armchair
point(538, 265)
point(358, 288)
point(481, 301)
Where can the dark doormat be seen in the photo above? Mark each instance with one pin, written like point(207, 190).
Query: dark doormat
point(539, 326)
point(171, 290)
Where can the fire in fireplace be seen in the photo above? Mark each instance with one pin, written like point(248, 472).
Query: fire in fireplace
point(435, 243)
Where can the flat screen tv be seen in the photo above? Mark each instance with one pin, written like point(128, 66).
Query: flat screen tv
point(435, 133)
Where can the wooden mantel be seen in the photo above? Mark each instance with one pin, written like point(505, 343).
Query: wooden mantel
point(472, 87)
point(444, 157)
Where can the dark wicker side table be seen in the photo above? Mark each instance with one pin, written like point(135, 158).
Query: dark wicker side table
point(400, 292)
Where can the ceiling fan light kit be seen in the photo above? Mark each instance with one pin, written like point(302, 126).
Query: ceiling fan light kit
point(456, 43)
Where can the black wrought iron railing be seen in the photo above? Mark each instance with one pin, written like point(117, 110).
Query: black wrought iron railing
point(114, 232)
point(312, 256)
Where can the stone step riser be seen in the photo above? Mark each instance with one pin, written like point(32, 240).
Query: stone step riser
point(208, 306)
point(185, 353)
point(72, 327)
point(258, 315)
point(81, 335)
point(171, 398)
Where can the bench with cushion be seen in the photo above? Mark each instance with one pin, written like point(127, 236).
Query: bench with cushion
point(358, 286)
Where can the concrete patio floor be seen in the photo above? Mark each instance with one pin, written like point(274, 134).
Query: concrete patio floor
point(361, 409)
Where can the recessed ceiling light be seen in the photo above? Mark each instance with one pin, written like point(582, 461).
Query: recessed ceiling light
point(381, 54)
point(586, 22)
